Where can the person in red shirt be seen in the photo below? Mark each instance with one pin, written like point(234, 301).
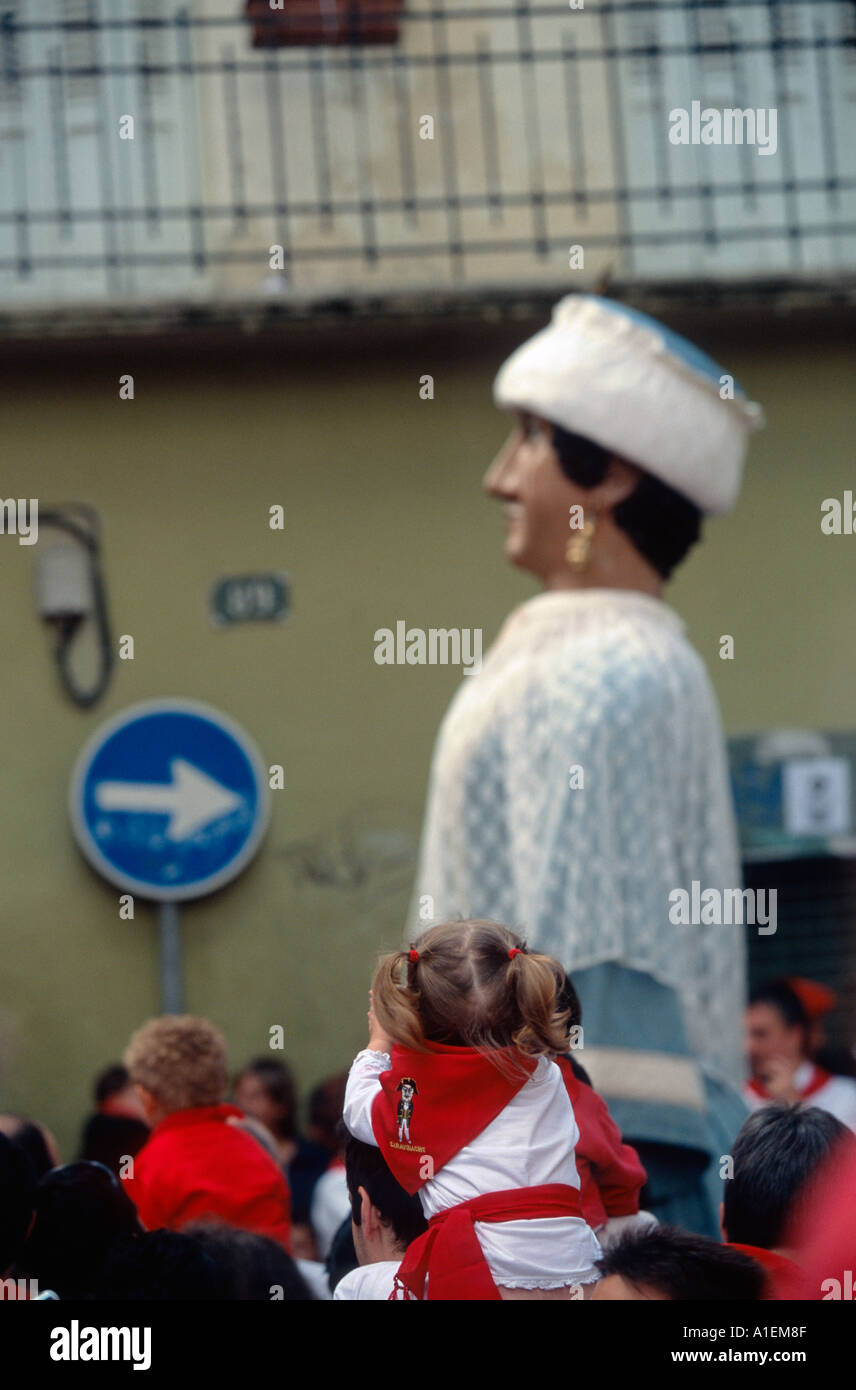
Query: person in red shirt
point(200, 1161)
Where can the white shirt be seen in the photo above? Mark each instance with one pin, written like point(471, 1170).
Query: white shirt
point(315, 1274)
point(374, 1281)
point(604, 681)
point(330, 1205)
point(529, 1143)
point(837, 1095)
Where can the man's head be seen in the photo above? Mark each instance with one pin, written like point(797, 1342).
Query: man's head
point(384, 1218)
point(777, 1027)
point(777, 1157)
point(177, 1062)
point(666, 1263)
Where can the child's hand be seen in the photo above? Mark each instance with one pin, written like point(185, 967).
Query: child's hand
point(378, 1040)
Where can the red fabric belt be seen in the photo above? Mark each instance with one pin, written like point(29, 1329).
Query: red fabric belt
point(450, 1252)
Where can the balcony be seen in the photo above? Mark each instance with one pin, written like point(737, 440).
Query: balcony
point(184, 158)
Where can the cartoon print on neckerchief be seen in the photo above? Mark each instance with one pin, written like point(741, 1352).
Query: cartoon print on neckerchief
point(431, 1104)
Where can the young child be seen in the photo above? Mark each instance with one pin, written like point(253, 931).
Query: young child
point(458, 1090)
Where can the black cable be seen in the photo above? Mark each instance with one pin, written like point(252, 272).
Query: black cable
point(66, 628)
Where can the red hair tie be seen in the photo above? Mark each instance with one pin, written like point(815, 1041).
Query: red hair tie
point(515, 951)
point(413, 955)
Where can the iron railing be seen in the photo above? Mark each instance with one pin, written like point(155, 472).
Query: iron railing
point(468, 157)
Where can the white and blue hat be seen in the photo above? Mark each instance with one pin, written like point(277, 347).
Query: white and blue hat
point(614, 375)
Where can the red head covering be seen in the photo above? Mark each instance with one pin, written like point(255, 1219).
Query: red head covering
point(816, 999)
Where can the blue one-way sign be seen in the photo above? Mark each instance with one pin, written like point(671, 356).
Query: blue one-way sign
point(169, 800)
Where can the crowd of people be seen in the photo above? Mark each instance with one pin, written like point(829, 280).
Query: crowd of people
point(465, 1155)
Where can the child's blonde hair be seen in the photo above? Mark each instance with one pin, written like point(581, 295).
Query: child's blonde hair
point(465, 989)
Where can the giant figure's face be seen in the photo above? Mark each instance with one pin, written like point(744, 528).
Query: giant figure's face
point(526, 477)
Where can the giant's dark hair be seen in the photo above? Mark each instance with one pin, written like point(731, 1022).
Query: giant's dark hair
point(662, 524)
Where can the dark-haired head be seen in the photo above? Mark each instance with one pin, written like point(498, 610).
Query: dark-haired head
point(111, 1082)
point(30, 1138)
point(112, 1140)
point(326, 1103)
point(251, 1267)
point(780, 995)
point(265, 1090)
point(778, 1161)
point(81, 1210)
point(666, 1263)
point(777, 1027)
point(366, 1168)
point(160, 1266)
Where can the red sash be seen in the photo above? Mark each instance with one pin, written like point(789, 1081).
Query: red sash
point(431, 1104)
point(449, 1254)
point(818, 1081)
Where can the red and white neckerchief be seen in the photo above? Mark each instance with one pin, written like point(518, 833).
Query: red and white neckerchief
point(432, 1104)
point(816, 1082)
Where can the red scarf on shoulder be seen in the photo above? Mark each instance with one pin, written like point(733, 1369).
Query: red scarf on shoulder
point(818, 1081)
point(432, 1104)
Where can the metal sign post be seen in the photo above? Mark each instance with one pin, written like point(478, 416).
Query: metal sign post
point(171, 973)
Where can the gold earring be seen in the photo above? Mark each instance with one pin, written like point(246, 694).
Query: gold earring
point(578, 550)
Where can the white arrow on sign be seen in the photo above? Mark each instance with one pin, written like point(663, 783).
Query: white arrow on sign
point(191, 799)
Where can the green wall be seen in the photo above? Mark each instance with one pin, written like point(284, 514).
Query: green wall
point(384, 520)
